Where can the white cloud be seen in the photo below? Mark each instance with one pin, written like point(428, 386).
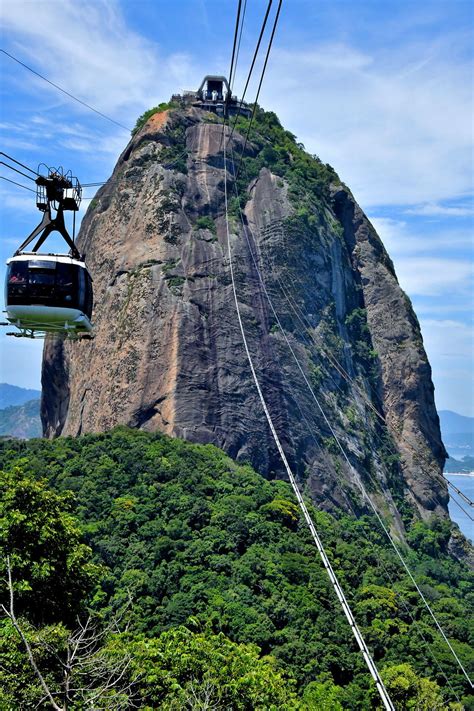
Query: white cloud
point(431, 276)
point(90, 51)
point(432, 209)
point(450, 337)
point(401, 238)
point(395, 125)
point(450, 348)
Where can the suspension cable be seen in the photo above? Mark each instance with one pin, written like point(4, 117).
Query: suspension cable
point(20, 172)
point(346, 376)
point(460, 493)
point(67, 93)
point(359, 482)
point(262, 30)
point(275, 22)
point(460, 506)
point(19, 184)
point(22, 165)
point(326, 562)
point(232, 79)
point(239, 7)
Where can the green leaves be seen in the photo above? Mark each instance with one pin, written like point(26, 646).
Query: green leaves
point(182, 666)
point(190, 534)
point(51, 567)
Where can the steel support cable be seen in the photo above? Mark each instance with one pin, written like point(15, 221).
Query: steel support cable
point(326, 562)
point(460, 506)
point(239, 7)
point(20, 172)
point(362, 488)
point(67, 93)
point(341, 370)
point(19, 184)
point(22, 165)
point(400, 599)
point(275, 23)
point(460, 493)
point(231, 80)
point(255, 54)
point(361, 392)
point(379, 561)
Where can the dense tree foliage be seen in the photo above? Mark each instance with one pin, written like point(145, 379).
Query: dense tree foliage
point(217, 558)
point(51, 567)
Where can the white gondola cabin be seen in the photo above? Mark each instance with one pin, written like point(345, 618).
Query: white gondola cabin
point(48, 293)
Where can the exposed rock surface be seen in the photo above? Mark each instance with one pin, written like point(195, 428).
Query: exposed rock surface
point(168, 354)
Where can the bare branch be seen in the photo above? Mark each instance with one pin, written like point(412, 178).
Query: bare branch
point(11, 615)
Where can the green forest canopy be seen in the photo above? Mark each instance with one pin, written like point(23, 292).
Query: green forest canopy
point(220, 568)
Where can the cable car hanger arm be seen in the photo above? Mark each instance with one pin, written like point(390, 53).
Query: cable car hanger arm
point(48, 225)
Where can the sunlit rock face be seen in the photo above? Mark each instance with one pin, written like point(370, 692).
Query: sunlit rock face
point(168, 354)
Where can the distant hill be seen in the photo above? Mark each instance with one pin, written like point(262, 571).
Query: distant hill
point(451, 422)
point(22, 421)
point(455, 466)
point(458, 434)
point(14, 395)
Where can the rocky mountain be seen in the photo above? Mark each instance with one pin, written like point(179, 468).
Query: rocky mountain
point(168, 355)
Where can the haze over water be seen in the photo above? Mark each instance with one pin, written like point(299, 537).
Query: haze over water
point(464, 483)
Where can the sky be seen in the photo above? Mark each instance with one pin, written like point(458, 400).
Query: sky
point(382, 91)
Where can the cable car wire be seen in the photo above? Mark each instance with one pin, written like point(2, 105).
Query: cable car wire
point(326, 562)
point(19, 184)
point(460, 506)
point(22, 165)
point(346, 376)
point(262, 30)
point(359, 482)
point(239, 7)
point(20, 172)
point(232, 79)
point(67, 93)
point(259, 87)
point(460, 493)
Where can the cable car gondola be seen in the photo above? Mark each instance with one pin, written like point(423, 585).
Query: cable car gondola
point(46, 292)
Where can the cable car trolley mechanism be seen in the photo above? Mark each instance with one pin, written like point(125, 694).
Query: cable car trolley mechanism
point(46, 292)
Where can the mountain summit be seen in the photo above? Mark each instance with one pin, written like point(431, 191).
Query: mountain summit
point(168, 355)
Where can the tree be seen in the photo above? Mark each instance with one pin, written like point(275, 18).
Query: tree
point(187, 669)
point(409, 691)
point(49, 565)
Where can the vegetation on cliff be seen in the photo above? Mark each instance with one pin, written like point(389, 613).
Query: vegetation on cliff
point(229, 599)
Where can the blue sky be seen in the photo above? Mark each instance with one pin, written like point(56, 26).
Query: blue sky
point(380, 90)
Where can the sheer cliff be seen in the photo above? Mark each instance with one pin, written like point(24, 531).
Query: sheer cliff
point(167, 353)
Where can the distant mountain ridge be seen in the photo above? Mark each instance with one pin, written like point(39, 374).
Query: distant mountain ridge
point(22, 421)
point(14, 395)
point(458, 436)
point(452, 422)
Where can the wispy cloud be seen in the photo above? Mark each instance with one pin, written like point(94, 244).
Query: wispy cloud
point(450, 347)
point(396, 125)
point(402, 238)
point(432, 209)
point(90, 50)
point(431, 276)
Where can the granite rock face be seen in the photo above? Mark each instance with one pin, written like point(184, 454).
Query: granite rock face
point(168, 355)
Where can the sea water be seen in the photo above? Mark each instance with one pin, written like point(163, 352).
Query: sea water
point(465, 483)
